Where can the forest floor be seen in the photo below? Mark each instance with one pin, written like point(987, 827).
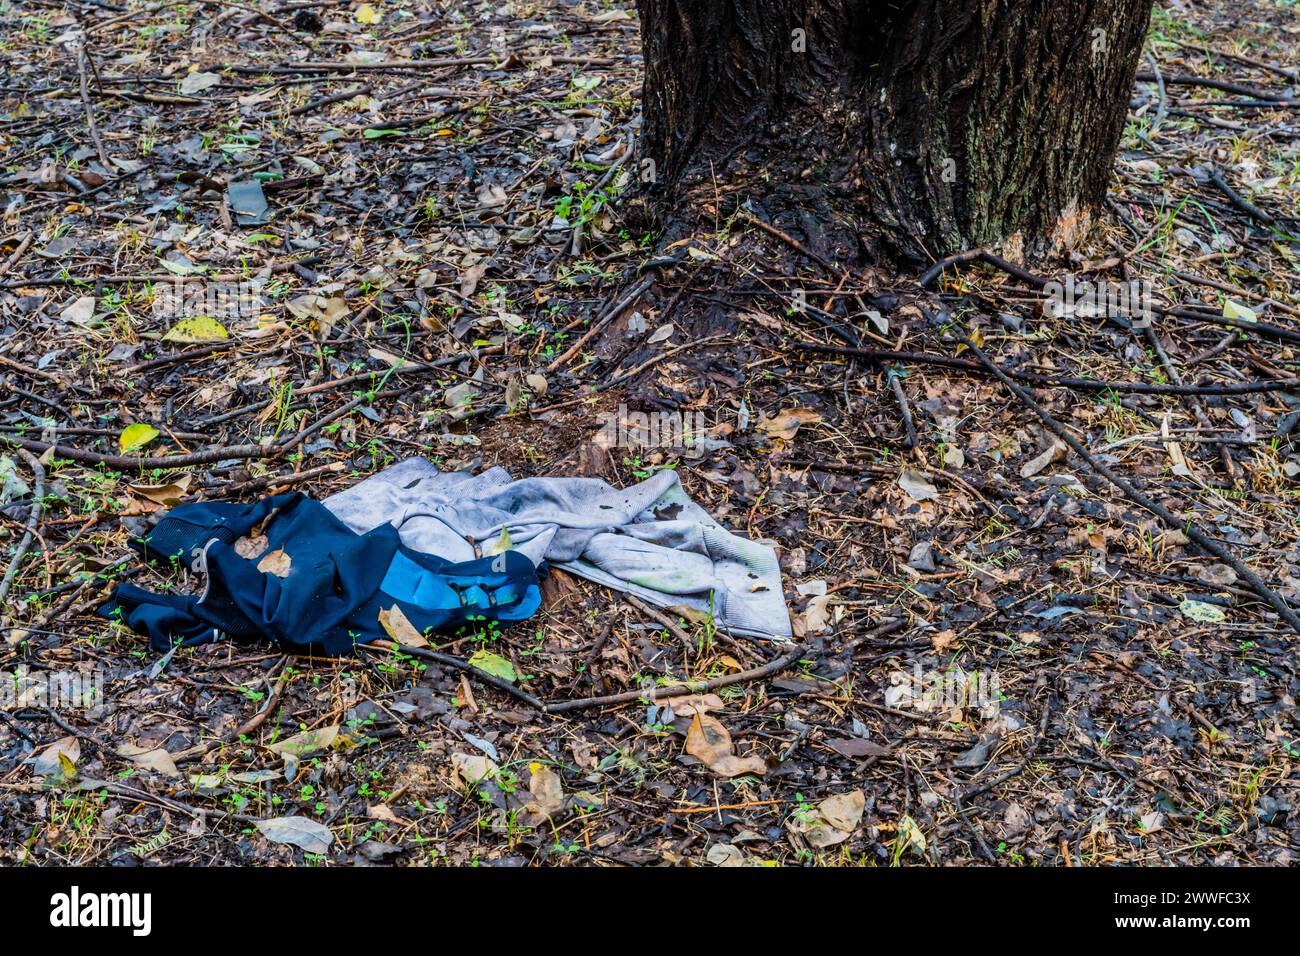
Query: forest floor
point(445, 181)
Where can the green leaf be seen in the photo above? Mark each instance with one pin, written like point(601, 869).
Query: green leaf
point(371, 133)
point(134, 437)
point(494, 664)
point(196, 331)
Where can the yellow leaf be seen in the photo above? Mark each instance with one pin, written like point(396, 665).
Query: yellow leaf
point(1202, 612)
point(197, 331)
point(368, 15)
point(1232, 310)
point(501, 545)
point(134, 437)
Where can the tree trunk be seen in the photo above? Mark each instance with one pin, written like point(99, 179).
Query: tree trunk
point(911, 128)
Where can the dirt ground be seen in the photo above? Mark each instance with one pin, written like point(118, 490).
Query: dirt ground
point(443, 268)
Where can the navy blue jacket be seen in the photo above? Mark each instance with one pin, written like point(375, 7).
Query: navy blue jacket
point(336, 584)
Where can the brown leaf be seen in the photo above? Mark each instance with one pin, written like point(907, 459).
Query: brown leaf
point(168, 493)
point(785, 424)
point(1050, 457)
point(150, 758)
point(399, 627)
point(843, 810)
point(471, 768)
point(710, 743)
point(833, 820)
point(250, 546)
point(277, 562)
point(546, 792)
point(469, 279)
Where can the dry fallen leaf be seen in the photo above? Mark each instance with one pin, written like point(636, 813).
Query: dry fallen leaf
point(277, 562)
point(817, 615)
point(150, 758)
point(471, 768)
point(251, 546)
point(469, 279)
point(917, 485)
point(545, 796)
point(843, 810)
point(710, 743)
point(691, 704)
point(857, 747)
point(309, 741)
point(57, 763)
point(167, 493)
point(1049, 457)
point(303, 832)
point(399, 627)
point(785, 424)
point(833, 820)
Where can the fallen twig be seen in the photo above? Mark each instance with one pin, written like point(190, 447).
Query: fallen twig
point(33, 520)
point(1054, 381)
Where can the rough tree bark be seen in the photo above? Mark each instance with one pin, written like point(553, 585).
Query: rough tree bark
point(911, 128)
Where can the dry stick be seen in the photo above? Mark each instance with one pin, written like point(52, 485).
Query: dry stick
point(1191, 402)
point(33, 519)
point(278, 684)
point(1185, 525)
point(267, 449)
point(937, 269)
point(678, 690)
point(1249, 208)
point(702, 687)
point(385, 646)
point(605, 633)
point(790, 241)
point(1053, 381)
point(896, 384)
point(603, 321)
point(662, 619)
point(1291, 75)
point(1162, 104)
point(1224, 85)
point(655, 359)
point(23, 246)
point(123, 463)
point(1178, 312)
point(392, 66)
point(201, 351)
point(82, 57)
point(279, 481)
point(330, 100)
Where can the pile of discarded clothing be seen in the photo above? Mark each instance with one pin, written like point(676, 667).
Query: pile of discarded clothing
point(446, 549)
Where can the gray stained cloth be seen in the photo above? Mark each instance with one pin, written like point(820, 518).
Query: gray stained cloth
point(649, 540)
